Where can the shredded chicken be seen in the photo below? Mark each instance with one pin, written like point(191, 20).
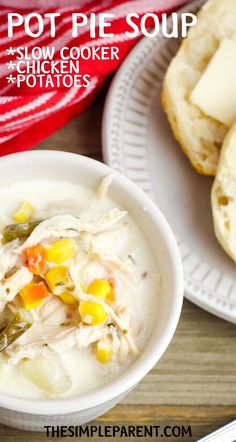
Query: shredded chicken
point(104, 186)
point(68, 226)
point(54, 338)
point(12, 285)
point(113, 263)
point(8, 258)
point(81, 296)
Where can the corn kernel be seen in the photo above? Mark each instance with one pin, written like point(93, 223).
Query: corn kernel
point(99, 288)
point(57, 277)
point(92, 313)
point(31, 305)
point(24, 213)
point(82, 287)
point(67, 298)
point(60, 251)
point(104, 351)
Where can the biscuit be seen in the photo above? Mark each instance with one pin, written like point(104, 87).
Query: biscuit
point(199, 135)
point(223, 195)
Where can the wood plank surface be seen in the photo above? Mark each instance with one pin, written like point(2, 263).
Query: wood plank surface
point(195, 381)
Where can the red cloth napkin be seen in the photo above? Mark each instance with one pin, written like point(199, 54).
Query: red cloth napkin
point(28, 115)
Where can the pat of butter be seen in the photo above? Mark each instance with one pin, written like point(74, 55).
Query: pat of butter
point(215, 93)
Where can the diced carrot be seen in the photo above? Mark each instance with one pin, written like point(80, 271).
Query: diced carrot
point(33, 294)
point(35, 259)
point(112, 282)
point(111, 295)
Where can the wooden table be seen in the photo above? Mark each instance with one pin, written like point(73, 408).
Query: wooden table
point(195, 382)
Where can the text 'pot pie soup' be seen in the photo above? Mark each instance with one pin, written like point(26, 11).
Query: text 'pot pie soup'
point(79, 289)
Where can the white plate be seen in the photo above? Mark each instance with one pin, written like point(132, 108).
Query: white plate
point(137, 141)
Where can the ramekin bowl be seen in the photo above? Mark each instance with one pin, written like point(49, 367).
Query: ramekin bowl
point(35, 414)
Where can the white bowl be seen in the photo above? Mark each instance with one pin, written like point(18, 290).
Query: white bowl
point(35, 414)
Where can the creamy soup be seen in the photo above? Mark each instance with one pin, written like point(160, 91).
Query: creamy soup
point(79, 289)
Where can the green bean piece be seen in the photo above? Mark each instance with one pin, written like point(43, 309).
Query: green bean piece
point(5, 317)
point(18, 231)
point(20, 323)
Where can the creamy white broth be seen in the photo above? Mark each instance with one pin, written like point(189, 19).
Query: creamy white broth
point(126, 242)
